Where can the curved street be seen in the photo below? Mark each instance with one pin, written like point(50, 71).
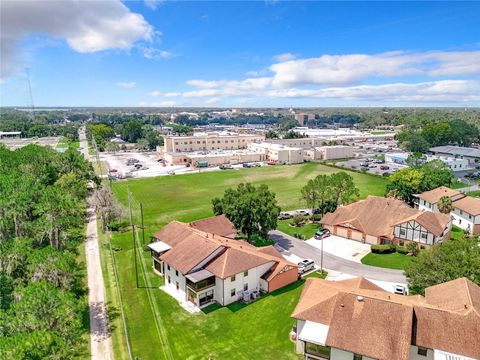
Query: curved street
point(331, 262)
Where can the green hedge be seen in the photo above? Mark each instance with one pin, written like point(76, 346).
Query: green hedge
point(402, 250)
point(383, 249)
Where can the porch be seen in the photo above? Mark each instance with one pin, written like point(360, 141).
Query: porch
point(200, 288)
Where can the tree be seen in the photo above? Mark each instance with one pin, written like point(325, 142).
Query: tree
point(132, 131)
point(416, 160)
point(436, 173)
point(343, 188)
point(112, 147)
point(253, 210)
point(271, 134)
point(444, 262)
point(142, 144)
point(310, 195)
point(405, 183)
point(107, 207)
point(445, 205)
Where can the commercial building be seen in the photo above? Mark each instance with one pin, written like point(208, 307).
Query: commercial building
point(201, 265)
point(214, 158)
point(466, 209)
point(455, 164)
point(333, 152)
point(10, 134)
point(378, 220)
point(458, 152)
point(355, 319)
point(280, 154)
point(303, 118)
point(209, 141)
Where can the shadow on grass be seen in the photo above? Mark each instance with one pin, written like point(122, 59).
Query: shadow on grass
point(237, 306)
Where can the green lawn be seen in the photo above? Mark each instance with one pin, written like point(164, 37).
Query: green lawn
point(475, 193)
point(391, 261)
point(317, 274)
point(307, 230)
point(458, 185)
point(159, 328)
point(456, 233)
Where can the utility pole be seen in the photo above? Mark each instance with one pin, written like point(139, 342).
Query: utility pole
point(30, 94)
point(321, 259)
point(143, 227)
point(133, 235)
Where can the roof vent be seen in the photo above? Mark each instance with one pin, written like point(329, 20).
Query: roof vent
point(341, 305)
point(359, 298)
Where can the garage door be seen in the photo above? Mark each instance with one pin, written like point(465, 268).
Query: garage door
point(356, 235)
point(342, 232)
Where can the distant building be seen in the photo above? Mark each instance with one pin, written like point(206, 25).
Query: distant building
point(280, 154)
point(334, 152)
point(10, 134)
point(459, 152)
point(209, 141)
point(303, 118)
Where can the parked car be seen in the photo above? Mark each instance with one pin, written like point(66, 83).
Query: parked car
point(384, 167)
point(368, 160)
point(372, 166)
point(303, 212)
point(113, 170)
point(305, 266)
point(284, 215)
point(322, 234)
point(256, 165)
point(247, 165)
point(400, 290)
point(226, 166)
point(171, 172)
point(364, 164)
point(379, 161)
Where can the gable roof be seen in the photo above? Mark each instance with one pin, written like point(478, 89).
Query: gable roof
point(377, 216)
point(222, 256)
point(219, 225)
point(468, 204)
point(434, 196)
point(383, 325)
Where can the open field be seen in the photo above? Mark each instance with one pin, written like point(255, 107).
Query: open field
point(158, 327)
point(307, 230)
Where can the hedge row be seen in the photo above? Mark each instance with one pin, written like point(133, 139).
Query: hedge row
point(383, 249)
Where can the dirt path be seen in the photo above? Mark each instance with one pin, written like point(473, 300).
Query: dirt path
point(100, 338)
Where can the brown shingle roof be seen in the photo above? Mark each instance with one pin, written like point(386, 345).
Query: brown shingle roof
point(433, 196)
point(191, 247)
point(468, 204)
point(383, 325)
point(219, 225)
point(377, 216)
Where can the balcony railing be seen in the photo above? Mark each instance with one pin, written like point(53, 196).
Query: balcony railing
point(203, 284)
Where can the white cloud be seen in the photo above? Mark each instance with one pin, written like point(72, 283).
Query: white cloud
point(86, 26)
point(284, 57)
point(172, 94)
point(127, 85)
point(350, 77)
point(153, 4)
point(154, 93)
point(150, 52)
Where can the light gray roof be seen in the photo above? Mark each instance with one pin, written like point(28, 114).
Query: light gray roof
point(457, 150)
point(199, 275)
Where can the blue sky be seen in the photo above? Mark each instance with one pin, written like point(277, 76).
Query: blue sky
point(150, 53)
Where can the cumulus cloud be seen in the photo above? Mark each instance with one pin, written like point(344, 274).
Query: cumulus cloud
point(86, 26)
point(127, 85)
point(350, 77)
point(154, 93)
point(153, 4)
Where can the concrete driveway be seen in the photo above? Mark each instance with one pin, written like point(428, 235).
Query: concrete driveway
point(347, 249)
point(302, 249)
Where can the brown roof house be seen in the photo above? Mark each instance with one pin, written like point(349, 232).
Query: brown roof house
point(201, 265)
point(355, 319)
point(378, 220)
point(466, 209)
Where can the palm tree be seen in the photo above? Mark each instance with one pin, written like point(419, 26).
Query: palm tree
point(445, 205)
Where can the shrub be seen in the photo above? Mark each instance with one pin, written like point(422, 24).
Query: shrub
point(383, 249)
point(298, 220)
point(413, 248)
point(402, 250)
point(118, 225)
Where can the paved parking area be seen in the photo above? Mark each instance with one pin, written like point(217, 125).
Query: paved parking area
point(347, 249)
point(373, 168)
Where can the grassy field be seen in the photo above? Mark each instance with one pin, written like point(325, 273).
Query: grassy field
point(158, 327)
point(457, 233)
point(475, 193)
point(307, 230)
point(458, 185)
point(391, 261)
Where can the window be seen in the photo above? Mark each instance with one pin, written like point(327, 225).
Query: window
point(232, 279)
point(176, 272)
point(422, 351)
point(169, 280)
point(317, 350)
point(232, 292)
point(245, 273)
point(357, 357)
point(168, 267)
point(424, 235)
point(177, 285)
point(245, 287)
point(402, 232)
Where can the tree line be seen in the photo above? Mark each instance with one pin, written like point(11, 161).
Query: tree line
point(42, 216)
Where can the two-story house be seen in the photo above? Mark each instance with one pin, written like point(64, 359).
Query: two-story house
point(466, 209)
point(355, 319)
point(203, 267)
point(378, 220)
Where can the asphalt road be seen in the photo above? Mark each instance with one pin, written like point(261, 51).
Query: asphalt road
point(331, 262)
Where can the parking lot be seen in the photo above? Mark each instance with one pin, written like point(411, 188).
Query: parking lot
point(372, 167)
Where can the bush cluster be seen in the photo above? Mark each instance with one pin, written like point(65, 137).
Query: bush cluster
point(383, 249)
